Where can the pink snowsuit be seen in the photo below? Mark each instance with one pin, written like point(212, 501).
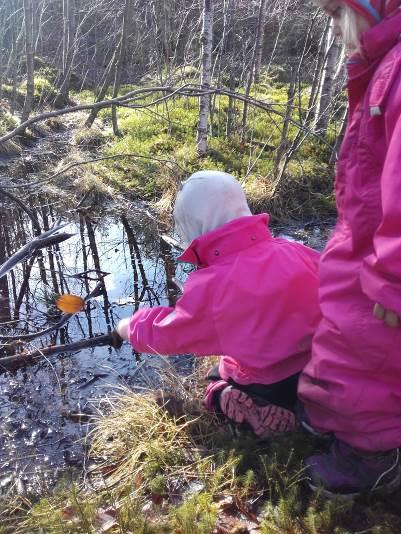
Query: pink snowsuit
point(352, 385)
point(253, 300)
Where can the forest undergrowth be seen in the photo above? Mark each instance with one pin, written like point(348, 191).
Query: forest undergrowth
point(160, 464)
point(157, 150)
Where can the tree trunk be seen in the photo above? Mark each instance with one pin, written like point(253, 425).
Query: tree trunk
point(317, 75)
point(284, 134)
point(30, 84)
point(252, 70)
point(206, 75)
point(333, 54)
point(120, 61)
point(69, 35)
point(260, 34)
point(102, 93)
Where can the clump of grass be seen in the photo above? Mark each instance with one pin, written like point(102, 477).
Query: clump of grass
point(197, 515)
point(140, 441)
point(44, 90)
point(8, 122)
point(89, 138)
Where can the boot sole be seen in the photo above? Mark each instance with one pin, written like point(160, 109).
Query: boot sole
point(324, 436)
point(387, 489)
point(267, 420)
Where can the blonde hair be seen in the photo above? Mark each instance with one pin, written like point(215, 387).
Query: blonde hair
point(350, 29)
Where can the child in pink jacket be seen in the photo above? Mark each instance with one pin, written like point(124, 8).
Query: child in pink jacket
point(352, 385)
point(252, 300)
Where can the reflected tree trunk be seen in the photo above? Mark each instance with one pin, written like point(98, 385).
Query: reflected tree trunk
point(50, 254)
point(131, 240)
point(169, 268)
point(96, 262)
point(134, 243)
point(5, 314)
point(85, 266)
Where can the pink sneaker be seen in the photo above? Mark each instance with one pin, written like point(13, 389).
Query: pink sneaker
point(264, 420)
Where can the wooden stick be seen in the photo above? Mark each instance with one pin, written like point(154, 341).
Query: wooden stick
point(16, 361)
point(44, 240)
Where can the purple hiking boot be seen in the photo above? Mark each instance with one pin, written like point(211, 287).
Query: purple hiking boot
point(347, 472)
point(305, 424)
point(264, 421)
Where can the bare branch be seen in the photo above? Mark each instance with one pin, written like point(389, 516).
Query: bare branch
point(44, 240)
point(64, 319)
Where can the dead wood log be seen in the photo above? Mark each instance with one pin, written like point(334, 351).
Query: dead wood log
point(17, 361)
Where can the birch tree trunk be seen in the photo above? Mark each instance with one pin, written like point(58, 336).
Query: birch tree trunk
point(30, 84)
point(260, 34)
point(317, 76)
point(206, 75)
point(69, 35)
point(333, 55)
point(120, 61)
point(252, 70)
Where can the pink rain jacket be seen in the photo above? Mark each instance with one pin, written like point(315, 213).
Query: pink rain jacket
point(253, 299)
point(352, 385)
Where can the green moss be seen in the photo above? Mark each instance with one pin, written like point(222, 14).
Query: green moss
point(197, 515)
point(7, 121)
point(44, 89)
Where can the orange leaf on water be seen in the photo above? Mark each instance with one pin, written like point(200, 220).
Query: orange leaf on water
point(70, 303)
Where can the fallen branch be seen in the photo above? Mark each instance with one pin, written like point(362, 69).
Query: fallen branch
point(81, 107)
point(185, 90)
point(16, 361)
point(86, 162)
point(44, 240)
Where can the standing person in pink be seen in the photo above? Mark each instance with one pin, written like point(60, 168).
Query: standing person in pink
point(253, 301)
point(352, 385)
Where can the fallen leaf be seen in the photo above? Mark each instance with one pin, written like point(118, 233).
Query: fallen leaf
point(67, 512)
point(70, 303)
point(106, 520)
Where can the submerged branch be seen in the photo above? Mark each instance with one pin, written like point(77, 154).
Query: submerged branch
point(16, 361)
point(64, 319)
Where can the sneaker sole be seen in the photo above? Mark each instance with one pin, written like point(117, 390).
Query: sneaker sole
point(264, 420)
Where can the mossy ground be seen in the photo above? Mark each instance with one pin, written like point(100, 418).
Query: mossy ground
point(157, 150)
point(163, 467)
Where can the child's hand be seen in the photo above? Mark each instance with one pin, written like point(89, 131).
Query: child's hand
point(123, 328)
point(388, 316)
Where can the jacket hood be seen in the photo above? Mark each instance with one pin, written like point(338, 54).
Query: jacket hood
point(374, 11)
point(208, 199)
point(232, 237)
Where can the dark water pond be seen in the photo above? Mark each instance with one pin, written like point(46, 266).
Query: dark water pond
point(41, 431)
